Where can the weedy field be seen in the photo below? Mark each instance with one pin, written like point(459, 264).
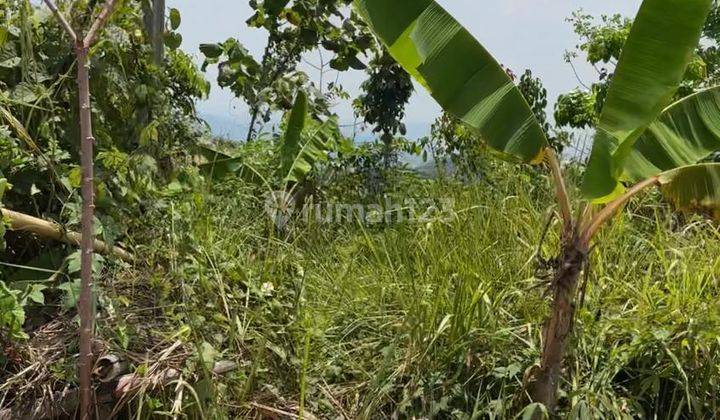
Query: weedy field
point(402, 320)
point(150, 269)
point(439, 318)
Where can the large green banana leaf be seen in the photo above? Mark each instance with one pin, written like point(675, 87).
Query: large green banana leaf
point(654, 59)
point(306, 142)
point(459, 72)
point(693, 188)
point(292, 142)
point(686, 133)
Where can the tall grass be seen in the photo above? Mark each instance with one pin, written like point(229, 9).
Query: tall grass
point(443, 318)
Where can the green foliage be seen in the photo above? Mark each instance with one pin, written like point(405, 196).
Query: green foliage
point(652, 65)
point(39, 133)
point(686, 133)
point(354, 319)
point(694, 187)
point(453, 143)
point(576, 109)
point(386, 92)
point(460, 74)
point(291, 144)
point(535, 94)
point(306, 145)
point(293, 28)
point(4, 186)
point(601, 43)
point(12, 310)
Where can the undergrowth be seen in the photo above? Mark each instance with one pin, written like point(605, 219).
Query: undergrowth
point(431, 319)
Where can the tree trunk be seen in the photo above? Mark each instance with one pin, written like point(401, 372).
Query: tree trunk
point(544, 382)
point(154, 20)
point(85, 303)
point(251, 129)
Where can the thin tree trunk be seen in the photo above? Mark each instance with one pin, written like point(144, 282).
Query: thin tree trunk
point(158, 31)
point(85, 303)
point(544, 382)
point(251, 129)
point(154, 20)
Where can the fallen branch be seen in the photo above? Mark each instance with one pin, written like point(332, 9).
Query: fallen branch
point(50, 230)
point(130, 384)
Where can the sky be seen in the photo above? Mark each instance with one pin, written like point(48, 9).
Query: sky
point(521, 34)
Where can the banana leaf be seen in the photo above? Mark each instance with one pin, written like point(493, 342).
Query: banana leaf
point(687, 132)
point(662, 42)
point(306, 142)
point(458, 71)
point(693, 188)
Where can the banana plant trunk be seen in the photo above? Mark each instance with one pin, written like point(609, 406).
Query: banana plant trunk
point(85, 303)
point(558, 328)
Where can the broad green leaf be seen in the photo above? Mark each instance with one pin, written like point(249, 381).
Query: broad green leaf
point(4, 186)
point(686, 133)
point(173, 40)
point(460, 73)
point(211, 50)
point(217, 164)
point(693, 188)
point(317, 141)
point(291, 144)
point(662, 42)
point(306, 142)
point(174, 18)
point(34, 293)
point(208, 354)
point(71, 293)
point(12, 313)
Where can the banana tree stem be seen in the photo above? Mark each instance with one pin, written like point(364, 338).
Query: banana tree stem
point(609, 211)
point(560, 190)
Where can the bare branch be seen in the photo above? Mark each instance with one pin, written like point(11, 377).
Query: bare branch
point(99, 23)
point(560, 190)
point(613, 207)
point(62, 20)
point(50, 230)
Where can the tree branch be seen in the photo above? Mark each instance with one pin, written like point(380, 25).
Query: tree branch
point(99, 23)
point(50, 230)
point(62, 20)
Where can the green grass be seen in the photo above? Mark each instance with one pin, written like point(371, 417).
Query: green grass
point(440, 318)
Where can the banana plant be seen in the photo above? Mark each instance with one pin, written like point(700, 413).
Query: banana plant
point(305, 144)
point(641, 140)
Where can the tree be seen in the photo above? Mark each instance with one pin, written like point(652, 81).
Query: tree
point(85, 304)
point(468, 83)
point(386, 92)
point(602, 41)
point(294, 27)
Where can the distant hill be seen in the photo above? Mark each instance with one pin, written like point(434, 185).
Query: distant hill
point(231, 128)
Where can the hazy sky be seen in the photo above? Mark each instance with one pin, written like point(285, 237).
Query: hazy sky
point(520, 33)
